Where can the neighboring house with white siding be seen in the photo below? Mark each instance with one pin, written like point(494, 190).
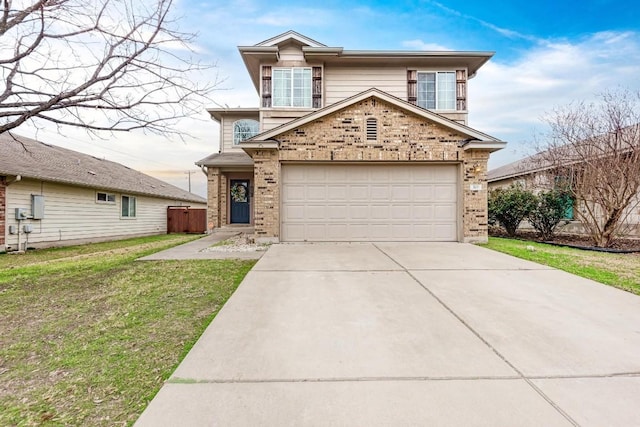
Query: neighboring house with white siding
point(352, 145)
point(532, 174)
point(51, 196)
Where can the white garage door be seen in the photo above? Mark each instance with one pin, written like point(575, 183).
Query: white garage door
point(369, 203)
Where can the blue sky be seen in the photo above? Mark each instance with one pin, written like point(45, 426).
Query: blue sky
point(548, 53)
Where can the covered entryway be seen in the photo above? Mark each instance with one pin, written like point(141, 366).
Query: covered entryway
point(240, 212)
point(369, 202)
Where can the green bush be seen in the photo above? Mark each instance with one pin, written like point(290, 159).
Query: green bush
point(550, 208)
point(509, 206)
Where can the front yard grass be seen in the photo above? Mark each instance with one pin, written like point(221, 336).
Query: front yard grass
point(89, 334)
point(618, 270)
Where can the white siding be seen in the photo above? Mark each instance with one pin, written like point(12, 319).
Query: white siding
point(343, 82)
point(72, 213)
point(273, 118)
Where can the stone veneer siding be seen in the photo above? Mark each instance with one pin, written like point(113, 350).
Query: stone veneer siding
point(3, 211)
point(341, 137)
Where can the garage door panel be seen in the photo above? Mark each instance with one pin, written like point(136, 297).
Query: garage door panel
point(422, 192)
point(337, 192)
point(380, 192)
point(443, 212)
point(443, 231)
point(359, 192)
point(294, 212)
point(293, 193)
point(445, 193)
point(316, 193)
point(359, 212)
point(423, 212)
point(369, 202)
point(338, 212)
point(401, 193)
point(401, 212)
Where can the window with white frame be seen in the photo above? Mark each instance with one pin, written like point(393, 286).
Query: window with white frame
point(292, 87)
point(102, 197)
point(128, 207)
point(437, 90)
point(244, 129)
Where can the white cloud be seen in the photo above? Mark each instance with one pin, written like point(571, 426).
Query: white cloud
point(508, 100)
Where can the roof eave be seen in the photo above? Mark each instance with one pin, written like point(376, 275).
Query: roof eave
point(485, 146)
point(253, 56)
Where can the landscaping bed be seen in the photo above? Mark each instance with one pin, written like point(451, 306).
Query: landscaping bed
point(572, 240)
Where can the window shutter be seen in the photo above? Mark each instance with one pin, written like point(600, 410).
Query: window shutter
point(412, 86)
point(317, 87)
point(266, 86)
point(461, 90)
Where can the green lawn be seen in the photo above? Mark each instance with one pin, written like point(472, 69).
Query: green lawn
point(89, 334)
point(619, 270)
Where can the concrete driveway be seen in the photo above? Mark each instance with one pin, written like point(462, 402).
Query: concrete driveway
point(409, 334)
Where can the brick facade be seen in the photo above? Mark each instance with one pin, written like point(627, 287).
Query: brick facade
point(213, 198)
point(266, 199)
point(401, 137)
point(3, 210)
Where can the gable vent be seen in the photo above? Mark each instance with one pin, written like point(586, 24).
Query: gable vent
point(372, 129)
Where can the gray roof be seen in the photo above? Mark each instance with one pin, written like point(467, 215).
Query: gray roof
point(525, 166)
point(239, 158)
point(33, 159)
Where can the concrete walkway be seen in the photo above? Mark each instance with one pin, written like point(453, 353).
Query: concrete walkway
point(409, 334)
point(194, 250)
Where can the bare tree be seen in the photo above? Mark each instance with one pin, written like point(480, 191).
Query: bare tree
point(593, 152)
point(114, 65)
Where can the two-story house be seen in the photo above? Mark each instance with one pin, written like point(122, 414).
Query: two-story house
point(352, 145)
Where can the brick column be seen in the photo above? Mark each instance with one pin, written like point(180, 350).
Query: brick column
point(266, 195)
point(475, 213)
point(3, 210)
point(213, 198)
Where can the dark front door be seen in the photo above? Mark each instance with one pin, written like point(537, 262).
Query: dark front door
point(240, 213)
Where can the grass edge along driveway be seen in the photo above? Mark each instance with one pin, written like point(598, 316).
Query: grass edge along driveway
point(618, 270)
point(89, 334)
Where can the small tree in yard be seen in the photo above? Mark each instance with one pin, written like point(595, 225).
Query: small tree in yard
point(549, 209)
point(509, 206)
point(595, 149)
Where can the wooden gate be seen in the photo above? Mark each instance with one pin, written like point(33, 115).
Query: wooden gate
point(182, 219)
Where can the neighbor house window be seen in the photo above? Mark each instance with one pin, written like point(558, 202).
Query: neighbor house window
point(244, 129)
point(128, 207)
point(437, 90)
point(105, 197)
point(292, 87)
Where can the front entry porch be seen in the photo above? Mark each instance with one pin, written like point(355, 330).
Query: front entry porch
point(230, 198)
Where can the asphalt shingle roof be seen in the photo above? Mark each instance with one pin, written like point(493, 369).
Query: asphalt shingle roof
point(33, 159)
point(239, 158)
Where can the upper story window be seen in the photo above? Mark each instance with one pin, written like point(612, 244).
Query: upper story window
point(292, 87)
point(437, 90)
point(244, 129)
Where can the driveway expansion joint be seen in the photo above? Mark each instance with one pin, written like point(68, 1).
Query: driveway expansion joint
point(340, 380)
point(487, 343)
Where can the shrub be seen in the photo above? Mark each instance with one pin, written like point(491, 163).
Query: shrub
point(549, 209)
point(509, 206)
